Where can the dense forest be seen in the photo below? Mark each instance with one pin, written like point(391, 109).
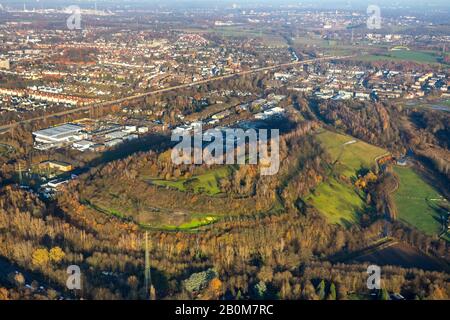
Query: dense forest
point(241, 251)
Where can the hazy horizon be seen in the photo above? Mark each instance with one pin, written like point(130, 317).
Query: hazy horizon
point(239, 3)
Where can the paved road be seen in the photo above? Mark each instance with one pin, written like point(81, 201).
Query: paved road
point(143, 95)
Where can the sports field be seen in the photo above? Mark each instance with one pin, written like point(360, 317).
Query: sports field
point(418, 202)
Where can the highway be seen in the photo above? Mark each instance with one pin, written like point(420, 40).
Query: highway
point(143, 95)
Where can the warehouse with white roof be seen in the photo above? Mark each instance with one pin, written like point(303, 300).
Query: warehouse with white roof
point(60, 134)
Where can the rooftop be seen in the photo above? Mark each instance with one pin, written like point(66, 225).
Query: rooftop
point(57, 131)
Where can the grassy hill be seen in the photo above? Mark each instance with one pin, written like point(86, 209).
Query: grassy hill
point(339, 201)
point(417, 202)
point(207, 182)
point(168, 204)
point(347, 153)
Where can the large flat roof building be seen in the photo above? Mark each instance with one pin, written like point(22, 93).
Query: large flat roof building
point(59, 134)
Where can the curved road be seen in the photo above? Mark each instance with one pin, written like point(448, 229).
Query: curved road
point(142, 95)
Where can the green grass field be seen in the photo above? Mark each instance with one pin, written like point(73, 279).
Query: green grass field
point(207, 183)
point(440, 104)
point(403, 55)
point(333, 47)
point(267, 36)
point(197, 221)
point(417, 202)
point(339, 201)
point(349, 157)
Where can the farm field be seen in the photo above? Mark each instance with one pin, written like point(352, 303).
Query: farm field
point(439, 104)
point(339, 201)
point(327, 44)
point(266, 35)
point(403, 255)
point(417, 202)
point(403, 55)
point(334, 47)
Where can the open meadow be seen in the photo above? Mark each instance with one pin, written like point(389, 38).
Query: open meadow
point(340, 201)
point(417, 202)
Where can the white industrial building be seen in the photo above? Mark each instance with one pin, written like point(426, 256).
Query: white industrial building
point(130, 129)
point(82, 145)
point(60, 134)
point(116, 135)
point(142, 129)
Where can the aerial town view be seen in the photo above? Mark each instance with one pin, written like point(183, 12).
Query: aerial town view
point(224, 150)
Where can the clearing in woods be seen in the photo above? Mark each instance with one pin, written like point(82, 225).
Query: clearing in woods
point(207, 182)
point(340, 201)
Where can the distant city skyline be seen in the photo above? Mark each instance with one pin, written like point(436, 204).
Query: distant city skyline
point(241, 3)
